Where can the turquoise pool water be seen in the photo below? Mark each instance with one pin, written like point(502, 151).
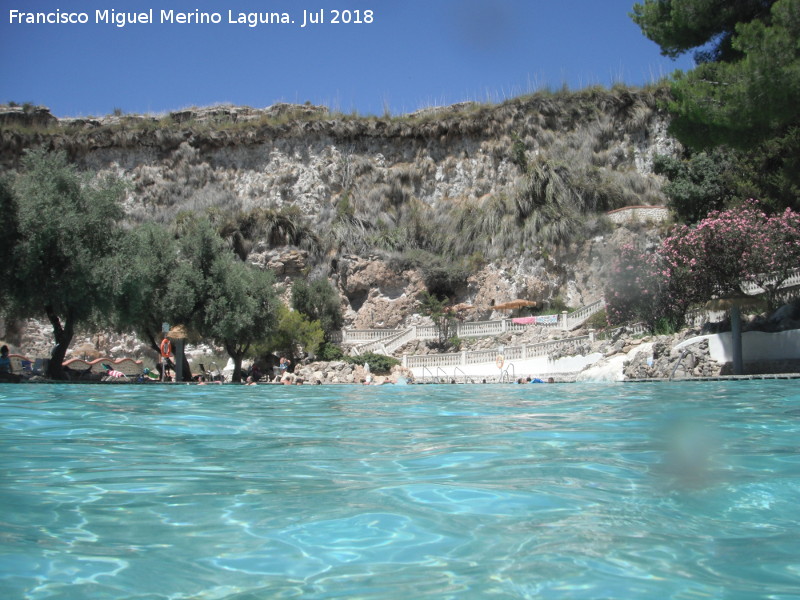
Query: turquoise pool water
point(400, 492)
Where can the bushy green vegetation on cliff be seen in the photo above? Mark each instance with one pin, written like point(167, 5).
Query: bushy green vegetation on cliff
point(739, 104)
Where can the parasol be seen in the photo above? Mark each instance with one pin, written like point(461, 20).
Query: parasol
point(178, 333)
point(514, 304)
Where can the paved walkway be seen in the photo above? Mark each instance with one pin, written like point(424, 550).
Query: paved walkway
point(720, 378)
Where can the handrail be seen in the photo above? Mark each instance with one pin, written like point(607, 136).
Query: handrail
point(393, 343)
point(576, 318)
point(678, 364)
point(462, 372)
point(505, 372)
point(219, 374)
point(437, 373)
point(381, 343)
point(423, 373)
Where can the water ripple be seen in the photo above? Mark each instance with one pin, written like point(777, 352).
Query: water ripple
point(555, 492)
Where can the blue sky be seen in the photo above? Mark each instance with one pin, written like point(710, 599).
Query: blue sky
point(414, 53)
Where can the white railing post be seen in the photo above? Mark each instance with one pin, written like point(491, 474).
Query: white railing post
point(564, 324)
point(463, 358)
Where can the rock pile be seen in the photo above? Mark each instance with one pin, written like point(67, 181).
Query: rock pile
point(343, 372)
point(662, 361)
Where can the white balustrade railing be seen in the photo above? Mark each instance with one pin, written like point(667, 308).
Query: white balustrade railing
point(361, 336)
point(576, 318)
point(635, 329)
point(698, 318)
point(427, 332)
point(751, 288)
point(380, 345)
point(480, 328)
point(509, 353)
point(392, 344)
point(435, 360)
point(478, 357)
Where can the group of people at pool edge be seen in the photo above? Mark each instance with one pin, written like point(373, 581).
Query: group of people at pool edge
point(283, 376)
point(253, 376)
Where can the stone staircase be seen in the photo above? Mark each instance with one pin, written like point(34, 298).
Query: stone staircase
point(387, 341)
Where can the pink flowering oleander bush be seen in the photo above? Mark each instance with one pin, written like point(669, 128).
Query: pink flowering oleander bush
point(732, 247)
point(712, 259)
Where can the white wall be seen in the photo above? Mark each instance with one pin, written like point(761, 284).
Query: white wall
point(756, 345)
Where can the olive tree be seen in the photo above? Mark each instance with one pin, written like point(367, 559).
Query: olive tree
point(241, 308)
point(67, 223)
point(142, 281)
point(217, 296)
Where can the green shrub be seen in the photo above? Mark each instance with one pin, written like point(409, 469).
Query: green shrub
point(598, 320)
point(330, 352)
point(554, 306)
point(378, 363)
point(665, 326)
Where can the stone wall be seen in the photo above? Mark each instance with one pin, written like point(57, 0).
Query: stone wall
point(639, 214)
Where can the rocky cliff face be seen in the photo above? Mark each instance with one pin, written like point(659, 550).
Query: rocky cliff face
point(376, 174)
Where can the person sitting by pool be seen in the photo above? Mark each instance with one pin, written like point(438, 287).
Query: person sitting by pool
point(535, 380)
point(5, 360)
point(6, 371)
point(284, 364)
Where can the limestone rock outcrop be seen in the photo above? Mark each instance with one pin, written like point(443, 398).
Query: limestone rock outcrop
point(377, 295)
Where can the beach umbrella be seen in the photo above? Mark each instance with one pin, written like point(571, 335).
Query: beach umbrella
point(514, 304)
